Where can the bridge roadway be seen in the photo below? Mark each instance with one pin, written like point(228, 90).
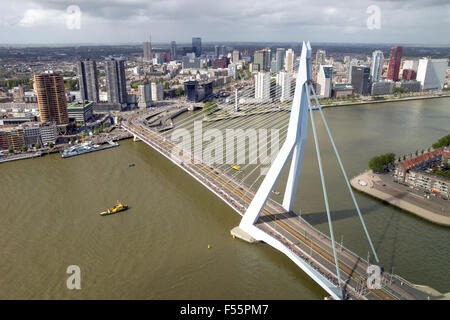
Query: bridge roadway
point(309, 244)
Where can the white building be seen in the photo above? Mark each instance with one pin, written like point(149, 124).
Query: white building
point(157, 91)
point(324, 80)
point(144, 96)
point(377, 66)
point(262, 86)
point(410, 64)
point(232, 70)
point(289, 61)
point(284, 86)
point(431, 73)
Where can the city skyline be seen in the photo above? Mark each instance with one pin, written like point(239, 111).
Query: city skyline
point(129, 21)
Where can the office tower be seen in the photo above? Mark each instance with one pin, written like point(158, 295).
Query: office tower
point(411, 64)
point(145, 96)
point(262, 86)
point(377, 66)
point(261, 58)
point(279, 59)
point(173, 50)
point(197, 46)
point(236, 56)
point(116, 81)
point(148, 54)
point(289, 60)
point(324, 79)
point(220, 63)
point(216, 51)
point(431, 73)
point(222, 50)
point(320, 60)
point(51, 98)
point(284, 86)
point(88, 81)
point(232, 71)
point(395, 60)
point(360, 79)
point(157, 91)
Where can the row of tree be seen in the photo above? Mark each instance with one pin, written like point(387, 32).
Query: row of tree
point(381, 163)
point(442, 142)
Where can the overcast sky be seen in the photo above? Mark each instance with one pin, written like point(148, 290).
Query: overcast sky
point(123, 21)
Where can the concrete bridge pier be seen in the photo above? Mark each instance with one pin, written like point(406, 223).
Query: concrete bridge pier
point(136, 138)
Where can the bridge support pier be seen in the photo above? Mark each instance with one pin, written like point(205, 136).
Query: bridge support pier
point(135, 138)
point(237, 232)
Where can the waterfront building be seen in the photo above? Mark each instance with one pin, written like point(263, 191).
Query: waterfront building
point(116, 81)
point(324, 80)
point(49, 133)
point(382, 87)
point(360, 80)
point(51, 97)
point(411, 64)
point(80, 112)
point(289, 61)
point(197, 46)
point(377, 66)
point(16, 138)
point(431, 73)
point(395, 60)
point(342, 90)
point(144, 95)
point(157, 91)
point(410, 85)
point(173, 50)
point(262, 86)
point(87, 80)
point(284, 86)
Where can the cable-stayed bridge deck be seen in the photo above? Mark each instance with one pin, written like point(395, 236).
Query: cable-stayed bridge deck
point(286, 231)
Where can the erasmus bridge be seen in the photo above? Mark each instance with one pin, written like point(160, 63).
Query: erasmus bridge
point(341, 273)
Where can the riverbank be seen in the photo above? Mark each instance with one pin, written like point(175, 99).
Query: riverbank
point(372, 184)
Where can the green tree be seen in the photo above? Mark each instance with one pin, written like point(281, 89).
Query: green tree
point(50, 145)
point(96, 131)
point(381, 163)
point(179, 91)
point(10, 149)
point(37, 145)
point(209, 107)
point(442, 142)
point(24, 148)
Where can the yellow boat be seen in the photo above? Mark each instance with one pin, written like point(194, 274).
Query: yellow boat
point(238, 167)
point(117, 208)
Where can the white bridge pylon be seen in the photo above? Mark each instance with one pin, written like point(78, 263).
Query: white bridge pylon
point(295, 145)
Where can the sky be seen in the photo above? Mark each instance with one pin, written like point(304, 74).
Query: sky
point(132, 21)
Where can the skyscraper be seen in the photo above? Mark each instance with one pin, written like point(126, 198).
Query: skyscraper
point(173, 50)
point(289, 60)
point(360, 79)
point(88, 81)
point(431, 73)
point(262, 86)
point(148, 54)
point(116, 81)
point(261, 58)
point(324, 79)
point(395, 60)
point(197, 46)
point(236, 56)
point(216, 51)
point(157, 91)
point(279, 58)
point(51, 97)
point(377, 66)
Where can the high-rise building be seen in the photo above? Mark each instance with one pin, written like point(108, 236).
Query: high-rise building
point(377, 66)
point(222, 50)
point(289, 61)
point(262, 86)
point(148, 54)
point(320, 60)
point(360, 79)
point(216, 51)
point(220, 63)
point(116, 81)
point(431, 73)
point(232, 70)
point(157, 91)
point(261, 58)
point(284, 86)
point(324, 80)
point(411, 64)
point(409, 74)
point(395, 60)
point(173, 50)
point(144, 96)
point(197, 46)
point(88, 81)
point(51, 98)
point(236, 56)
point(280, 59)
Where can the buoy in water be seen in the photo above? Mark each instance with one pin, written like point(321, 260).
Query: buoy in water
point(209, 246)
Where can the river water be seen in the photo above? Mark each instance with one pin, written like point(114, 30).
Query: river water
point(158, 249)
